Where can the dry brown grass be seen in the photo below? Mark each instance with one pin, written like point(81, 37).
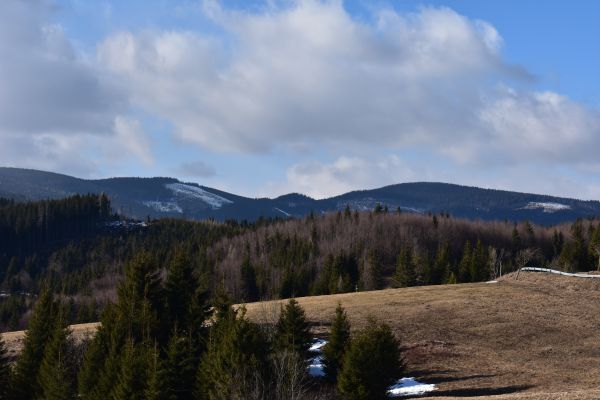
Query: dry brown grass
point(536, 338)
point(533, 338)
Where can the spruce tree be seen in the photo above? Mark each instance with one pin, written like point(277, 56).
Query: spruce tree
point(464, 268)
point(155, 387)
point(371, 364)
point(235, 360)
point(56, 377)
point(132, 378)
point(405, 269)
point(292, 331)
point(180, 286)
point(179, 368)
point(37, 337)
point(5, 372)
point(334, 350)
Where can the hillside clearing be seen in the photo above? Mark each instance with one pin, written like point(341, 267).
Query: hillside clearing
point(537, 337)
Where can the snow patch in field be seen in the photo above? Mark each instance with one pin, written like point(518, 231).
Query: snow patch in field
point(164, 206)
point(402, 387)
point(409, 387)
point(316, 367)
point(492, 282)
point(317, 346)
point(546, 207)
point(194, 192)
point(315, 364)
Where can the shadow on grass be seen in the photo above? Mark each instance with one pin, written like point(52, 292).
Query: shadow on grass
point(474, 392)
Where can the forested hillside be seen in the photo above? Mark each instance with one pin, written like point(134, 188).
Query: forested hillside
point(80, 250)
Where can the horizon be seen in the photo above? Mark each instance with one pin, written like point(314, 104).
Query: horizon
point(268, 98)
point(304, 194)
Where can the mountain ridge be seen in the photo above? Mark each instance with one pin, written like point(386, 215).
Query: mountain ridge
point(157, 197)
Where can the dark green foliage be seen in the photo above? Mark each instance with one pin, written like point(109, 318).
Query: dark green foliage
point(180, 287)
point(41, 328)
point(405, 274)
point(293, 332)
point(179, 368)
point(132, 376)
point(465, 266)
point(5, 372)
point(57, 373)
point(372, 363)
point(235, 359)
point(249, 287)
point(334, 350)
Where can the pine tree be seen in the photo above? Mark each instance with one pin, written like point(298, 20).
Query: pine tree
point(179, 368)
point(235, 360)
point(132, 378)
point(179, 287)
point(5, 372)
point(56, 377)
point(155, 387)
point(249, 287)
point(334, 350)
point(292, 331)
point(464, 268)
point(37, 337)
point(372, 363)
point(405, 269)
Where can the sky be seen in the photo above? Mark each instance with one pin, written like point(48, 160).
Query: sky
point(317, 97)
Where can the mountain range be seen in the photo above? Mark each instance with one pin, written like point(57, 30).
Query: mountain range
point(169, 197)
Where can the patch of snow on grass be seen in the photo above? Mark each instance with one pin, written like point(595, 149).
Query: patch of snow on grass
point(315, 364)
point(492, 282)
point(189, 191)
point(164, 206)
point(547, 207)
point(316, 367)
point(409, 387)
point(317, 345)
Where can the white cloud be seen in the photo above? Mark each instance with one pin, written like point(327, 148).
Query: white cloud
point(57, 110)
point(307, 75)
point(320, 180)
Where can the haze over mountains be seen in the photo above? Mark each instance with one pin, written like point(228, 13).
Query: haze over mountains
point(169, 197)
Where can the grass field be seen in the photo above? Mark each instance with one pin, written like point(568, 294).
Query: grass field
point(535, 338)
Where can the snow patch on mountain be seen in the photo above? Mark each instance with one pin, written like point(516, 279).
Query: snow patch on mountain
point(546, 207)
point(194, 192)
point(164, 206)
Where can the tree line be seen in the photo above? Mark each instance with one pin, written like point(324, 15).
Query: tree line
point(165, 337)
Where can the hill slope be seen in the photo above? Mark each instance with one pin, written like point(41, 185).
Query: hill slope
point(531, 338)
point(169, 197)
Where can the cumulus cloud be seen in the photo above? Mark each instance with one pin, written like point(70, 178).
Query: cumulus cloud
point(319, 180)
point(308, 74)
point(53, 103)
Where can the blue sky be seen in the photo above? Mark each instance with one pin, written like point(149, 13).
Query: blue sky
point(319, 97)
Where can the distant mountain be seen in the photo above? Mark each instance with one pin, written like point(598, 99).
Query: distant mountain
point(169, 197)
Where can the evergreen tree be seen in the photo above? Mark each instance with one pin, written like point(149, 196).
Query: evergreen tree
point(441, 265)
point(5, 372)
point(179, 287)
point(249, 287)
point(132, 378)
point(37, 337)
point(405, 269)
point(334, 350)
point(155, 387)
point(372, 363)
point(56, 377)
point(464, 268)
point(235, 360)
point(179, 368)
point(292, 331)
